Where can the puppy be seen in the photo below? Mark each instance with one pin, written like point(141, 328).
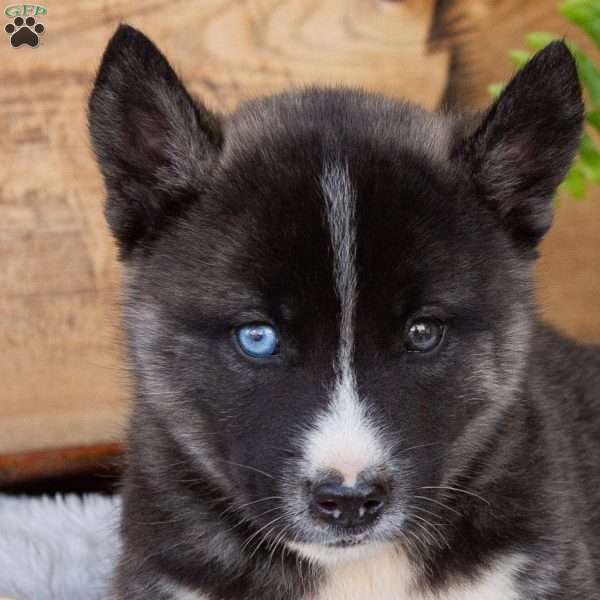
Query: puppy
point(342, 389)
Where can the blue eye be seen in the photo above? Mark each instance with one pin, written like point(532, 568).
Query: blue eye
point(258, 339)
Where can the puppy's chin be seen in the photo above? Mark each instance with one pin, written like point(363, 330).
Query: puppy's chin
point(334, 554)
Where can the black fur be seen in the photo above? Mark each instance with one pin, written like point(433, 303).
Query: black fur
point(220, 222)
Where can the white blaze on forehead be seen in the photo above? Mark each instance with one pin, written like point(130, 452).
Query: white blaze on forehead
point(344, 438)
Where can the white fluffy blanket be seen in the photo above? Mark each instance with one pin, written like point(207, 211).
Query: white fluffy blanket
point(60, 548)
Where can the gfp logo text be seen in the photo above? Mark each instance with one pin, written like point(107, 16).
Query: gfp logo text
point(24, 10)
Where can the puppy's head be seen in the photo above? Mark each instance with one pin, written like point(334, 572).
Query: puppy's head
point(328, 292)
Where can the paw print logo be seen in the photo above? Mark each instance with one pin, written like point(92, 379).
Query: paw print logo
point(24, 32)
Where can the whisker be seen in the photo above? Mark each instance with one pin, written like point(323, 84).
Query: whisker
point(250, 468)
point(428, 512)
point(273, 546)
point(244, 519)
point(432, 539)
point(258, 532)
point(455, 489)
point(439, 504)
point(418, 543)
point(397, 451)
point(263, 539)
point(236, 507)
point(424, 520)
point(441, 537)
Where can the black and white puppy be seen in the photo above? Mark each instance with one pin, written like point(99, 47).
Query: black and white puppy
point(342, 388)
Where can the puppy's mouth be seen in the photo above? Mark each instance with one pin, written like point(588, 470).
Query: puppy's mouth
point(349, 541)
point(345, 539)
point(342, 549)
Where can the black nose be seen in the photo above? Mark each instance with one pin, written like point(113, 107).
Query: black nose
point(356, 506)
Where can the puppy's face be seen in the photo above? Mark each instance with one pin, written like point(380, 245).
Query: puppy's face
point(328, 292)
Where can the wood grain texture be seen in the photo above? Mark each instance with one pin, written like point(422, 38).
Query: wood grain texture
point(478, 33)
point(62, 383)
point(61, 377)
point(30, 466)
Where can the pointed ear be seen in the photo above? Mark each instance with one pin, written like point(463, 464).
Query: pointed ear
point(154, 144)
point(525, 143)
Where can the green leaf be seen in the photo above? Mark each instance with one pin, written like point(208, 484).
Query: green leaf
point(574, 183)
point(590, 158)
point(519, 57)
point(585, 14)
point(495, 89)
point(594, 119)
point(540, 39)
point(590, 76)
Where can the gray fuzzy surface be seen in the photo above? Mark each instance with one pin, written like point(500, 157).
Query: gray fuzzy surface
point(57, 548)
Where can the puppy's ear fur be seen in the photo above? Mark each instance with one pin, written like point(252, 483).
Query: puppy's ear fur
point(154, 144)
point(525, 143)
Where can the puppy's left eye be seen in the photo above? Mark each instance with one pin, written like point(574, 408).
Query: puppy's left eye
point(424, 335)
point(258, 340)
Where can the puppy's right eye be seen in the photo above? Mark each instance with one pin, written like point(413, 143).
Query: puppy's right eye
point(258, 340)
point(424, 335)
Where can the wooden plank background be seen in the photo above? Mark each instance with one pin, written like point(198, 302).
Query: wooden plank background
point(61, 379)
point(478, 34)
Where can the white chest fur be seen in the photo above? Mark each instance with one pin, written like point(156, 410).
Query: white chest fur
point(387, 576)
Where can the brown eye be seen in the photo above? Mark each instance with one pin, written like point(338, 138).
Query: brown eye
point(424, 335)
